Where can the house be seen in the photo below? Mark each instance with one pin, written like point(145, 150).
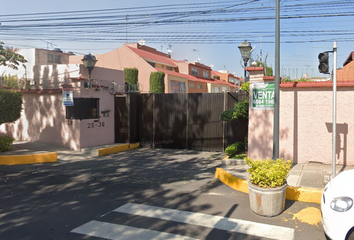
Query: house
point(36, 58)
point(347, 72)
point(142, 57)
point(225, 76)
point(180, 76)
point(57, 107)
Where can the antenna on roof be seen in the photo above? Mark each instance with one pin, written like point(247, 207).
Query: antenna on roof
point(49, 43)
point(142, 42)
point(169, 50)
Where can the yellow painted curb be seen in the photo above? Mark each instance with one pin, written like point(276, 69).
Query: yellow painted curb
point(312, 195)
point(292, 193)
point(116, 149)
point(227, 157)
point(29, 159)
point(231, 181)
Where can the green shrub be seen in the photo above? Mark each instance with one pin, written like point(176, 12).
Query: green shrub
point(10, 106)
point(240, 111)
point(235, 149)
point(5, 143)
point(131, 78)
point(157, 82)
point(268, 173)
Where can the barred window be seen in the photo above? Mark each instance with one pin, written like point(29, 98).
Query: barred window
point(84, 108)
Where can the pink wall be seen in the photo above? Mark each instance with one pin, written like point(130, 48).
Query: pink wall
point(43, 117)
point(95, 132)
point(306, 124)
point(260, 126)
point(305, 131)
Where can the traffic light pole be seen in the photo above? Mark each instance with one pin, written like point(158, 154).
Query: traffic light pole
point(334, 128)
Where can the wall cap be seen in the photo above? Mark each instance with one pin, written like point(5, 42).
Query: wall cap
point(268, 78)
point(42, 91)
point(316, 84)
point(254, 68)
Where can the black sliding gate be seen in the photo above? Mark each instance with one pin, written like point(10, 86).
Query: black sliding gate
point(178, 120)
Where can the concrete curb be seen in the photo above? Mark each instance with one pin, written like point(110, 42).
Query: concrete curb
point(29, 159)
point(311, 195)
point(116, 149)
point(51, 157)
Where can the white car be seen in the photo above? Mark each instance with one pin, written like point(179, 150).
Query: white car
point(337, 207)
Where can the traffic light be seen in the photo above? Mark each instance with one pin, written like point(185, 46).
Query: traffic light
point(323, 66)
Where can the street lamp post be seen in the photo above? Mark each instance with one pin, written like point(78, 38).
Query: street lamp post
point(245, 50)
point(89, 62)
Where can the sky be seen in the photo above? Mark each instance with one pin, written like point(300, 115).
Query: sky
point(208, 30)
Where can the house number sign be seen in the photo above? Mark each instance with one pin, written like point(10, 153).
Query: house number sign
point(96, 125)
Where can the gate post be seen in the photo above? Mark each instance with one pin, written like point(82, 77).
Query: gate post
point(261, 119)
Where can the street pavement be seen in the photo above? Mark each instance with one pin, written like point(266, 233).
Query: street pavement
point(138, 194)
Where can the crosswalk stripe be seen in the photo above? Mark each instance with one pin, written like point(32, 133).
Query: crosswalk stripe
point(120, 232)
point(210, 221)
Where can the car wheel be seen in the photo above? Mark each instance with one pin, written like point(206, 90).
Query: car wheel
point(350, 235)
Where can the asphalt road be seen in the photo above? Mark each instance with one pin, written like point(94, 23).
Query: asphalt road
point(139, 194)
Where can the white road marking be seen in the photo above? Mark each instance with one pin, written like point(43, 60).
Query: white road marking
point(120, 232)
point(210, 221)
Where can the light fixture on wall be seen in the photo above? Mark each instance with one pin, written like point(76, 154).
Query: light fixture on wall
point(245, 50)
point(89, 62)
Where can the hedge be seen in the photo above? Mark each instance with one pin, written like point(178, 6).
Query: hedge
point(131, 75)
point(157, 82)
point(10, 106)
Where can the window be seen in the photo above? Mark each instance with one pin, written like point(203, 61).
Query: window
point(215, 89)
point(195, 71)
point(152, 64)
point(205, 74)
point(84, 108)
point(169, 68)
point(225, 89)
point(178, 87)
point(200, 87)
point(54, 58)
point(231, 79)
point(191, 85)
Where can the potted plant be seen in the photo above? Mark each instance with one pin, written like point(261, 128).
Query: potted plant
point(267, 185)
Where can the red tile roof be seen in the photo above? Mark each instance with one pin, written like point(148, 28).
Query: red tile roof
point(153, 57)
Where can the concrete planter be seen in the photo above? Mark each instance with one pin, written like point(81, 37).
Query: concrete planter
point(267, 202)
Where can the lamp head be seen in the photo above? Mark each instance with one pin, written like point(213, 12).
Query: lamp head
point(89, 61)
point(245, 50)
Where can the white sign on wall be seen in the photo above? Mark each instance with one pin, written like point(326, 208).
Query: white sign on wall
point(68, 97)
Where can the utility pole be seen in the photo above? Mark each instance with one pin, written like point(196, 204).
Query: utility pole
point(334, 132)
point(277, 83)
point(260, 53)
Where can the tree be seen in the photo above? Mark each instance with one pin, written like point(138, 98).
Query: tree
point(240, 110)
point(157, 82)
point(10, 57)
point(131, 78)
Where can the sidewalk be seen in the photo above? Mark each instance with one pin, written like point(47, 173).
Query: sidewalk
point(305, 180)
point(310, 175)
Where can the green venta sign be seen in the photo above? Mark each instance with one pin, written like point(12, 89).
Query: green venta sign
point(263, 96)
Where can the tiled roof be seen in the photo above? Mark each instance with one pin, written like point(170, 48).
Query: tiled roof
point(153, 57)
